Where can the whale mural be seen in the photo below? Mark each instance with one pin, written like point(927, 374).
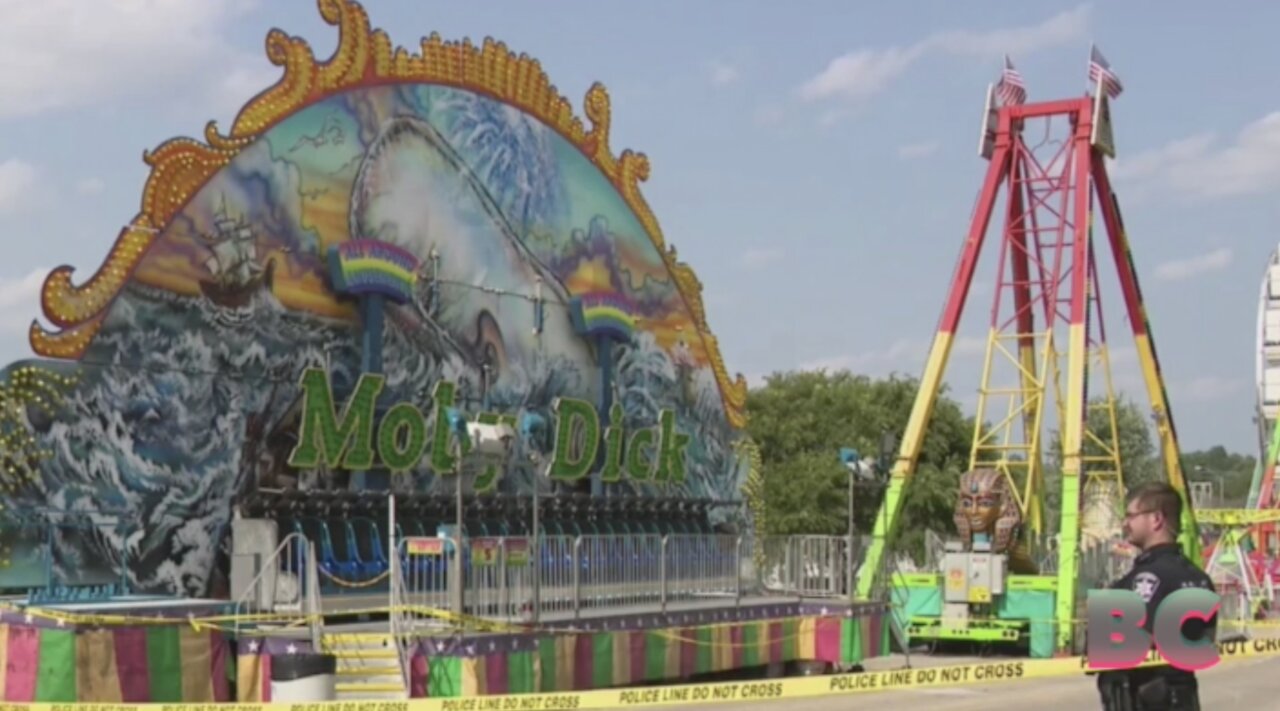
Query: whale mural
point(171, 376)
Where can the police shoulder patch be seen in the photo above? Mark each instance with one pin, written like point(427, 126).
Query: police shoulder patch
point(1146, 584)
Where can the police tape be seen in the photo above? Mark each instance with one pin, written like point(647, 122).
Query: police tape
point(994, 672)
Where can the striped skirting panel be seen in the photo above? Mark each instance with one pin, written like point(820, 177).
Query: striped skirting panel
point(167, 664)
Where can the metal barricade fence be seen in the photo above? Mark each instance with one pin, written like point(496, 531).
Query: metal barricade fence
point(425, 566)
point(58, 555)
point(283, 582)
point(805, 566)
point(507, 578)
point(619, 570)
point(558, 574)
point(703, 566)
point(499, 578)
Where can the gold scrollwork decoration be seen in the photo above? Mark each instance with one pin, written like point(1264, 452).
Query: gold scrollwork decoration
point(364, 57)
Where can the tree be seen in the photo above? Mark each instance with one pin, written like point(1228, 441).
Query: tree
point(799, 420)
point(1230, 473)
point(1138, 460)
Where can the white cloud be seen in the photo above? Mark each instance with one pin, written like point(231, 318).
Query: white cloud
point(1063, 29)
point(61, 54)
point(860, 74)
point(91, 186)
point(918, 150)
point(901, 354)
point(863, 73)
point(17, 183)
point(1203, 166)
point(758, 257)
point(1178, 269)
point(723, 73)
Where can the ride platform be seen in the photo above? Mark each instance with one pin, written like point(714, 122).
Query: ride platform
point(1022, 616)
point(128, 649)
point(598, 649)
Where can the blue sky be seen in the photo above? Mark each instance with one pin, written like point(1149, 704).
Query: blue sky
point(814, 161)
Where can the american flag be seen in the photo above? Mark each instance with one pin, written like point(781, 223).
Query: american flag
point(1011, 90)
point(1100, 71)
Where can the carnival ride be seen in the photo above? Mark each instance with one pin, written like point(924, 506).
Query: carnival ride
point(1242, 556)
point(1242, 560)
point(1047, 341)
point(1245, 578)
point(246, 375)
point(1262, 494)
point(562, 574)
point(1267, 356)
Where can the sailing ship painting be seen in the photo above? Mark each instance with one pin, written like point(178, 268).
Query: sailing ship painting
point(233, 262)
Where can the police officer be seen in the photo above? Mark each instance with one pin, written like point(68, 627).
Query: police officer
point(1151, 521)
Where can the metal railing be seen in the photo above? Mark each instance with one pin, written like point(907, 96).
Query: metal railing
point(286, 581)
point(59, 555)
point(514, 579)
point(311, 598)
point(806, 566)
point(425, 571)
point(509, 578)
point(401, 621)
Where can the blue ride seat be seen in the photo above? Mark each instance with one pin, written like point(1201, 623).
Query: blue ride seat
point(349, 550)
point(366, 546)
point(330, 559)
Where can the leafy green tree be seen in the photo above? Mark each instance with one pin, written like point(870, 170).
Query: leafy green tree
point(800, 420)
point(1230, 473)
point(1139, 462)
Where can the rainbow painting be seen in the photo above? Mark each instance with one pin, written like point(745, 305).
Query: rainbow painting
point(603, 314)
point(366, 266)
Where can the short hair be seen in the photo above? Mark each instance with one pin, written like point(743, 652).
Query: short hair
point(1159, 496)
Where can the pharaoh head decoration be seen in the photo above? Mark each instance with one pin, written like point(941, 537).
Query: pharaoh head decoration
point(987, 507)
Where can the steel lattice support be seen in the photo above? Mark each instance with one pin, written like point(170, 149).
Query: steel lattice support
point(1263, 537)
point(1230, 561)
point(1046, 336)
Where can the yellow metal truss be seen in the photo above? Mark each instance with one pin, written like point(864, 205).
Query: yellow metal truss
point(1008, 432)
point(1100, 455)
point(1012, 444)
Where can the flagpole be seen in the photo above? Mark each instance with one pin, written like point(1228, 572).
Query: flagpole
point(1097, 114)
point(1088, 67)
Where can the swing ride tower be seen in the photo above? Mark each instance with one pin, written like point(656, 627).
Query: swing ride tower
point(1046, 359)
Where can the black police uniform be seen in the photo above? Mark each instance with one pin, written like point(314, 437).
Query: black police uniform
point(1157, 573)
